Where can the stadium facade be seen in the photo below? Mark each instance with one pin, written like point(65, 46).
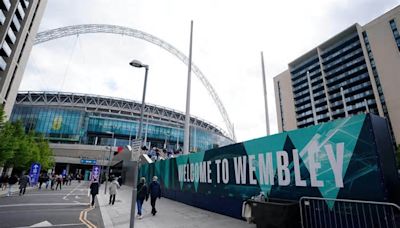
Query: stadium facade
point(82, 127)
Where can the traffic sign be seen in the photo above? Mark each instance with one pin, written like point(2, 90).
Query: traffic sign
point(34, 173)
point(88, 161)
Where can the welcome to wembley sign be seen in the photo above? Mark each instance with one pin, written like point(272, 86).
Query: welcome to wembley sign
point(349, 158)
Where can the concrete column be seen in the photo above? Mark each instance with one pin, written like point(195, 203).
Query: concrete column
point(312, 99)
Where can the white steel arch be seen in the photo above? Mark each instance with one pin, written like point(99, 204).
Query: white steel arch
point(52, 34)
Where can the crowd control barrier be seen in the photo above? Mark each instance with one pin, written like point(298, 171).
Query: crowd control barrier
point(348, 213)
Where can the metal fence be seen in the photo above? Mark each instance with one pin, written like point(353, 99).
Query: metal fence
point(323, 212)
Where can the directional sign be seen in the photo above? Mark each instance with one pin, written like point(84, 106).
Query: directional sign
point(34, 173)
point(88, 161)
point(135, 153)
point(95, 173)
point(64, 172)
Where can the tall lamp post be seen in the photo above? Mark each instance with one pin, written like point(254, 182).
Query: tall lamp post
point(109, 161)
point(138, 64)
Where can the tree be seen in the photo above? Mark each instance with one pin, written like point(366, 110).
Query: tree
point(46, 154)
point(2, 117)
point(8, 144)
point(22, 155)
point(19, 150)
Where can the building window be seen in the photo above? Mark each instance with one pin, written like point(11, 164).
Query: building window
point(3, 64)
point(376, 75)
point(396, 34)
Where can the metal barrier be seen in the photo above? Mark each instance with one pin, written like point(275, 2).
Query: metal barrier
point(315, 212)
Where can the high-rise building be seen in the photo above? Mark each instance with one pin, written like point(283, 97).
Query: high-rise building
point(356, 71)
point(19, 22)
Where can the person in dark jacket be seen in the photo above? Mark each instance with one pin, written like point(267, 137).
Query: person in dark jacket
point(142, 194)
point(41, 180)
point(23, 183)
point(94, 190)
point(155, 192)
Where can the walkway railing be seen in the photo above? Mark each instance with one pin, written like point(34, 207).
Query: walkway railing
point(315, 212)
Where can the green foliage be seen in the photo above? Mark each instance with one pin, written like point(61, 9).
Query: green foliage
point(46, 154)
point(20, 150)
point(2, 117)
point(8, 144)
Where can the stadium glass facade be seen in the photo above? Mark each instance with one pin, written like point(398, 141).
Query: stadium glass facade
point(61, 123)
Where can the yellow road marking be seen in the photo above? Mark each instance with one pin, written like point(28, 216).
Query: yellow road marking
point(84, 220)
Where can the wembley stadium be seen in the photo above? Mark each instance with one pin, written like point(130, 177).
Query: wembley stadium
point(81, 127)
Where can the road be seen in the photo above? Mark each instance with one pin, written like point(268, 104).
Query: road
point(68, 207)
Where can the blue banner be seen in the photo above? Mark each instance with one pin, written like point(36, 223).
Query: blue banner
point(34, 173)
point(95, 173)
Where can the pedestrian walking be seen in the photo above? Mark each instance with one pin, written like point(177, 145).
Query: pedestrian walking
point(113, 190)
point(23, 182)
point(142, 194)
point(59, 180)
point(11, 182)
point(41, 180)
point(52, 180)
point(69, 179)
point(94, 190)
point(5, 182)
point(155, 192)
point(47, 180)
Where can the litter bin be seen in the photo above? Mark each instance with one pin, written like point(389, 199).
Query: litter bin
point(277, 213)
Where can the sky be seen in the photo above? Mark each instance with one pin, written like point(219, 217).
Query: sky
point(228, 36)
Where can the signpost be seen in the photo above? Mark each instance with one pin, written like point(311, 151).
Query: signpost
point(95, 173)
point(88, 161)
point(34, 173)
point(136, 144)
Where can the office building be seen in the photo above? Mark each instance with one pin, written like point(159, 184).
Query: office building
point(356, 71)
point(19, 22)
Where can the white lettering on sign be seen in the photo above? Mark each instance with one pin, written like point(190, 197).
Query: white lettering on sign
point(266, 169)
point(225, 171)
point(240, 169)
point(297, 176)
point(263, 164)
point(314, 165)
point(282, 166)
point(336, 164)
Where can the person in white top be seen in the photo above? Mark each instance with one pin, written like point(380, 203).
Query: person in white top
point(113, 190)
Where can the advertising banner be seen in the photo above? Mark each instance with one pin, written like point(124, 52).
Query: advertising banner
point(95, 173)
point(338, 159)
point(34, 173)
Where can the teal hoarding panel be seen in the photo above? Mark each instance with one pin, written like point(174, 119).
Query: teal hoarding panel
point(338, 159)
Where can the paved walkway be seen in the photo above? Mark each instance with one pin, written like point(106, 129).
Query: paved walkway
point(14, 190)
point(171, 214)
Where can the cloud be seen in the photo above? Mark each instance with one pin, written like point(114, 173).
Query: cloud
point(228, 38)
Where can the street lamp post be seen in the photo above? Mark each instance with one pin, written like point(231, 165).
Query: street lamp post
point(109, 162)
point(137, 64)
